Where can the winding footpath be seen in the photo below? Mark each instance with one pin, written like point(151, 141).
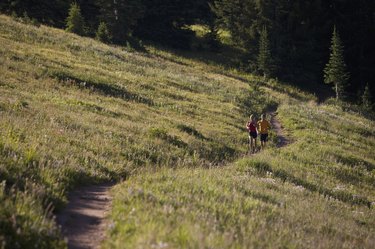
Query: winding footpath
point(282, 140)
point(83, 221)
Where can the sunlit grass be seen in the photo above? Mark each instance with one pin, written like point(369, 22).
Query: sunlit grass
point(75, 111)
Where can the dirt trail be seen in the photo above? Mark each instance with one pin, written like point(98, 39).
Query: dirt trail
point(282, 140)
point(83, 221)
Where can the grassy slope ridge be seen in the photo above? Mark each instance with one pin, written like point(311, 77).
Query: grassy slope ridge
point(74, 110)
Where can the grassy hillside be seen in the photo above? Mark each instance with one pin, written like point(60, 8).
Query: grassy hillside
point(75, 111)
point(315, 193)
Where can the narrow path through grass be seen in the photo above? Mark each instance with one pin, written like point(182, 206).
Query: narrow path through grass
point(282, 140)
point(83, 221)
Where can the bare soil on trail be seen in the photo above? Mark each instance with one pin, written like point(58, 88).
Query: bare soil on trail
point(83, 221)
point(282, 140)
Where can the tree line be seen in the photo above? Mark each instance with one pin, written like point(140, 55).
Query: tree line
point(302, 41)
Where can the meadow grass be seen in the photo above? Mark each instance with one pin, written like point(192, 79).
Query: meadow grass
point(317, 192)
point(74, 111)
point(226, 208)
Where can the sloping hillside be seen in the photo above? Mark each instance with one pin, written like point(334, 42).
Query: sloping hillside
point(75, 111)
point(317, 192)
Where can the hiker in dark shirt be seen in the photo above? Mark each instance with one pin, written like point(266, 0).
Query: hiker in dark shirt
point(252, 129)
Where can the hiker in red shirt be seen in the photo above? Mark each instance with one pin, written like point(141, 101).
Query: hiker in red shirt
point(252, 129)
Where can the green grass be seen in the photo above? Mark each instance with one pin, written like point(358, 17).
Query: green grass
point(171, 129)
point(75, 111)
point(317, 192)
point(225, 208)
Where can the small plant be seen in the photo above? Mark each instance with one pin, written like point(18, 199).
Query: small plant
point(367, 104)
point(27, 20)
point(102, 34)
point(75, 22)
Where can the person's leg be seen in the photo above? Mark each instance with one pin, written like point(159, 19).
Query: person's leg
point(265, 140)
point(250, 144)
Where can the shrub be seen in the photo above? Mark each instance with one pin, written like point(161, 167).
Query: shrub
point(75, 22)
point(102, 34)
point(367, 104)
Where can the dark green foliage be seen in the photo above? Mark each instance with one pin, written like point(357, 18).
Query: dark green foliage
point(335, 71)
point(367, 100)
point(91, 13)
point(121, 17)
point(239, 18)
point(27, 20)
point(299, 32)
point(74, 21)
point(264, 54)
point(103, 34)
point(52, 12)
point(164, 21)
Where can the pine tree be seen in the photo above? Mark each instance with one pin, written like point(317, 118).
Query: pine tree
point(367, 104)
point(121, 17)
point(264, 55)
point(75, 22)
point(102, 34)
point(335, 71)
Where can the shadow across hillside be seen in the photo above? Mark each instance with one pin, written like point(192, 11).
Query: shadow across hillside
point(265, 168)
point(105, 89)
point(229, 57)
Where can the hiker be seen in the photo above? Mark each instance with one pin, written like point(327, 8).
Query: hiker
point(263, 127)
point(252, 128)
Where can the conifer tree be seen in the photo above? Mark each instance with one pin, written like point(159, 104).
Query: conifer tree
point(367, 104)
point(121, 17)
point(102, 34)
point(264, 55)
point(335, 71)
point(75, 22)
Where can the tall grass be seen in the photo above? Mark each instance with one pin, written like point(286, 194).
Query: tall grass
point(74, 111)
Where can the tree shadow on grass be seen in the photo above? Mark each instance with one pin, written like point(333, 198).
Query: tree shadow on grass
point(99, 87)
point(192, 131)
point(263, 168)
